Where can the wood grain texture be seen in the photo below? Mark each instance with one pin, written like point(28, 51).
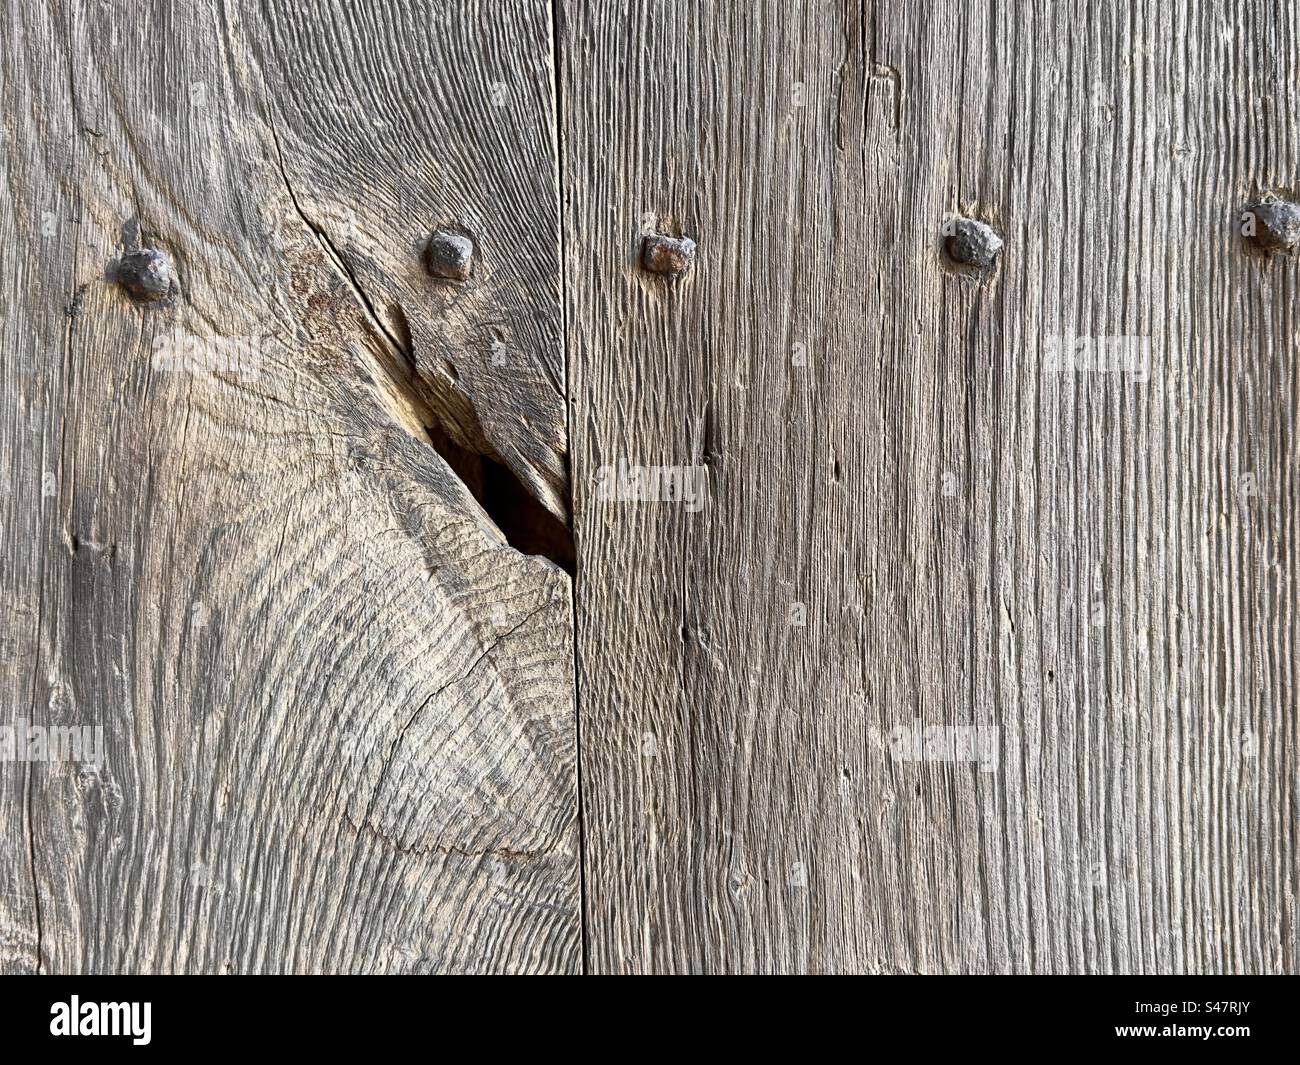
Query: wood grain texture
point(395, 119)
point(338, 706)
point(909, 518)
point(340, 709)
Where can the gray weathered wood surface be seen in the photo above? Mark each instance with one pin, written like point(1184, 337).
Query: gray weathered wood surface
point(259, 535)
point(1100, 569)
point(338, 705)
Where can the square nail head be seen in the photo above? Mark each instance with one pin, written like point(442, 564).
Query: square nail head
point(449, 255)
point(671, 256)
point(146, 275)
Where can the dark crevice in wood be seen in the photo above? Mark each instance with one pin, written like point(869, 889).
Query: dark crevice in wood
point(524, 520)
point(525, 523)
point(557, 80)
point(36, 883)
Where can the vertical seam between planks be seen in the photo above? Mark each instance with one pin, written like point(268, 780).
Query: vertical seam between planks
point(556, 102)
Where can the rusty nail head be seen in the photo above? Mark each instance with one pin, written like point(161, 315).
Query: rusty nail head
point(671, 256)
point(1272, 224)
point(146, 275)
point(449, 255)
point(972, 243)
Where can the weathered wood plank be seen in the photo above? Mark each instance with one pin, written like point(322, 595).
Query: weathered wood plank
point(909, 517)
point(396, 119)
point(337, 705)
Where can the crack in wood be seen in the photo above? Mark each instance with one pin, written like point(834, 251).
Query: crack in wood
point(523, 519)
